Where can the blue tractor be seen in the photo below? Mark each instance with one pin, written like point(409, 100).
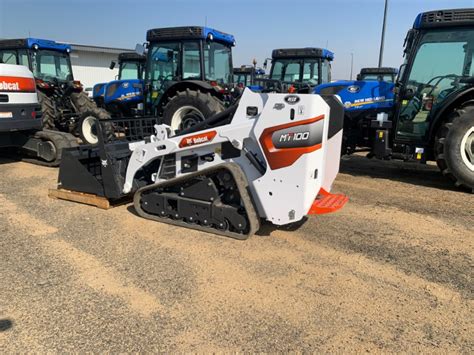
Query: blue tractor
point(123, 96)
point(188, 74)
point(246, 74)
point(428, 114)
point(297, 70)
point(65, 106)
point(363, 100)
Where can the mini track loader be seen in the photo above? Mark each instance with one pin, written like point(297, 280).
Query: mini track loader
point(269, 157)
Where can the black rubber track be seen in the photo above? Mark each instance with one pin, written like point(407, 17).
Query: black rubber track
point(242, 184)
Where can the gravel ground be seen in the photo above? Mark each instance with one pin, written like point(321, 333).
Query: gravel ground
point(392, 272)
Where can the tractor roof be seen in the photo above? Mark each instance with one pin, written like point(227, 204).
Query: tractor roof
point(385, 70)
point(244, 69)
point(35, 42)
point(307, 52)
point(131, 56)
point(189, 33)
point(445, 18)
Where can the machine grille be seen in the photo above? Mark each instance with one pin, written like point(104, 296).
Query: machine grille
point(448, 17)
point(163, 34)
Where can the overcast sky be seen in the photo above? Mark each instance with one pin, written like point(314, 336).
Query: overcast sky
point(343, 26)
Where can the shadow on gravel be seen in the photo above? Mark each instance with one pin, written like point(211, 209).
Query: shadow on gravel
point(5, 324)
point(8, 157)
point(439, 266)
point(266, 228)
point(410, 173)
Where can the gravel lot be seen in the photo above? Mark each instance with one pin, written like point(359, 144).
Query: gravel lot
point(392, 271)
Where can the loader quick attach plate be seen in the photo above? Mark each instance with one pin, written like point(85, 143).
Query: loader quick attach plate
point(213, 200)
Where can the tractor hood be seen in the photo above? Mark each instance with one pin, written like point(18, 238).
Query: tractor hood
point(360, 95)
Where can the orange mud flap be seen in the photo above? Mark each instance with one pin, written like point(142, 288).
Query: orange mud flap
point(327, 202)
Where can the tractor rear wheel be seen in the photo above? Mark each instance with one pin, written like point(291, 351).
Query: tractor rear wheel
point(48, 111)
point(82, 102)
point(87, 126)
point(89, 113)
point(188, 108)
point(454, 147)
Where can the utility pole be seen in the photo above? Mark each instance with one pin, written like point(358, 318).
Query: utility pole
point(352, 63)
point(382, 41)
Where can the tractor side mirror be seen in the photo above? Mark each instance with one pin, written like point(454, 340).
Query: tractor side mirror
point(265, 63)
point(140, 49)
point(359, 77)
point(112, 65)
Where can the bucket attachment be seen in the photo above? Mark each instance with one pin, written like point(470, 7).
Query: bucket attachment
point(100, 169)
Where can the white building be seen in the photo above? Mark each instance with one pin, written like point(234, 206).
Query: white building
point(90, 64)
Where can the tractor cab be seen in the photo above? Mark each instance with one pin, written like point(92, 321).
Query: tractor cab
point(388, 75)
point(246, 75)
point(428, 113)
point(131, 66)
point(65, 106)
point(300, 69)
point(436, 77)
point(124, 95)
point(48, 60)
point(189, 58)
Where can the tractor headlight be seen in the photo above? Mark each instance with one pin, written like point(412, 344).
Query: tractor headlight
point(210, 37)
point(35, 47)
point(68, 50)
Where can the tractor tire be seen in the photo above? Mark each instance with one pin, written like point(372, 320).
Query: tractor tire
point(82, 102)
point(454, 147)
point(48, 111)
point(87, 129)
point(189, 107)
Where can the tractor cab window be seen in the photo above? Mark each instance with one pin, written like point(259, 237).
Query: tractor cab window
point(311, 72)
point(277, 70)
point(217, 62)
point(8, 57)
point(17, 57)
point(48, 65)
point(191, 61)
point(378, 77)
point(325, 71)
point(442, 58)
point(292, 72)
point(23, 58)
point(129, 70)
point(163, 62)
point(288, 70)
point(241, 79)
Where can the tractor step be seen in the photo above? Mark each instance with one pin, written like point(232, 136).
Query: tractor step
point(87, 199)
point(327, 202)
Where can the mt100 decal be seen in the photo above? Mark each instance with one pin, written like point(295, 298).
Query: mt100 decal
point(299, 136)
point(284, 144)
